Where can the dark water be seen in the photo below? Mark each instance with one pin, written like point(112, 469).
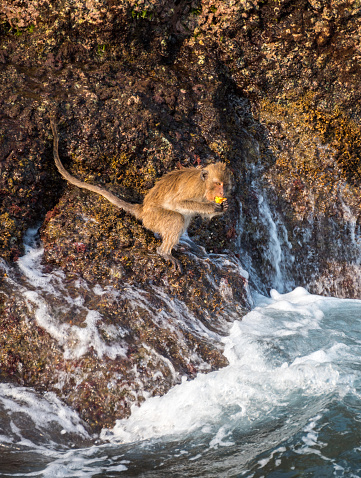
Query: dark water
point(288, 405)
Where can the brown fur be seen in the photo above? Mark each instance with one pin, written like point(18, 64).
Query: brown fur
point(172, 203)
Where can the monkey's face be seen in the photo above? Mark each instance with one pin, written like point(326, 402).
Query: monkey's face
point(216, 188)
point(218, 181)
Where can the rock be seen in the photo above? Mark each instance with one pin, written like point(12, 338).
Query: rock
point(138, 90)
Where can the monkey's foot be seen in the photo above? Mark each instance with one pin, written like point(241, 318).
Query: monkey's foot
point(168, 257)
point(177, 266)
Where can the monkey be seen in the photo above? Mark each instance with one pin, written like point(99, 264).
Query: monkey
point(175, 199)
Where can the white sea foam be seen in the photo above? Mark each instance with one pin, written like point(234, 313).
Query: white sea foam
point(42, 414)
point(42, 287)
point(252, 386)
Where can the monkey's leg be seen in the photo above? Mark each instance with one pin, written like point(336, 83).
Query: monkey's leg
point(170, 225)
point(170, 239)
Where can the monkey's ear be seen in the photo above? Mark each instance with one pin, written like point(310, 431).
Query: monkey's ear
point(204, 174)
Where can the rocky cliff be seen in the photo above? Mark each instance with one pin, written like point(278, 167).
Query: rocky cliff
point(139, 89)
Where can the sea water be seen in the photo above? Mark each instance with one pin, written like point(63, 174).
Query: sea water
point(287, 405)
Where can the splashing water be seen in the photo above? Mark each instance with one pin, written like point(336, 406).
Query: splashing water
point(288, 403)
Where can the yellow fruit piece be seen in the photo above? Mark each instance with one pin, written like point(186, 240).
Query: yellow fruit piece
point(219, 200)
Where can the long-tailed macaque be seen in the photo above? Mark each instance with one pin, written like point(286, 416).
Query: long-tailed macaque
point(172, 203)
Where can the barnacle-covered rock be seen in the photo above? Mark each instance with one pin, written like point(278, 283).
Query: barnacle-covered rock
point(139, 89)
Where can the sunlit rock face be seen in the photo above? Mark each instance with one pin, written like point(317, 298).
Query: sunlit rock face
point(89, 310)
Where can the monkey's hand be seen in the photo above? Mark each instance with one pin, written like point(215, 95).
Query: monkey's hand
point(221, 207)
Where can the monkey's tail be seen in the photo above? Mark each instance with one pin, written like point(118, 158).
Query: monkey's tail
point(134, 209)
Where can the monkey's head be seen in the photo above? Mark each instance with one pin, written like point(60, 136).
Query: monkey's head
point(218, 181)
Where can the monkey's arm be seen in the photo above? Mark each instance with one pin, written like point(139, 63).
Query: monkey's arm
point(198, 207)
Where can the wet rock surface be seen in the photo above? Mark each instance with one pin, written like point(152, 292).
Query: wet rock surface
point(139, 89)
